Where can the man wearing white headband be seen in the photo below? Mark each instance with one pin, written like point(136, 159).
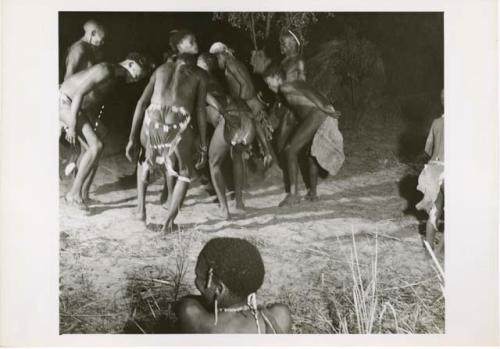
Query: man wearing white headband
point(240, 85)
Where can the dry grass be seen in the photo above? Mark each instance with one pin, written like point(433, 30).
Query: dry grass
point(356, 294)
point(143, 305)
point(358, 301)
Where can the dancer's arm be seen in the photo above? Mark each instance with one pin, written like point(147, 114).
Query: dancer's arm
point(93, 77)
point(201, 116)
point(140, 108)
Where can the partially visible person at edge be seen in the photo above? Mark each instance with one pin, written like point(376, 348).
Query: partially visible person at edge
point(79, 97)
point(82, 54)
point(431, 180)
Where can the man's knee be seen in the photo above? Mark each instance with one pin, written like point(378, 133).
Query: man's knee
point(184, 174)
point(214, 161)
point(96, 147)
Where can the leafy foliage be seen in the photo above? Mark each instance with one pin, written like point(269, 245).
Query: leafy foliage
point(260, 24)
point(350, 71)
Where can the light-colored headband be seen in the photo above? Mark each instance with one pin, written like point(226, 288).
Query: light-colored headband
point(295, 37)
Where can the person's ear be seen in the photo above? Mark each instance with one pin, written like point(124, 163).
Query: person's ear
point(221, 289)
point(93, 32)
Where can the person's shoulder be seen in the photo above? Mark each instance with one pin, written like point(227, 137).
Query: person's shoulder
point(281, 314)
point(164, 68)
point(79, 47)
point(189, 307)
point(168, 65)
point(201, 73)
point(104, 67)
point(287, 87)
point(190, 314)
point(101, 70)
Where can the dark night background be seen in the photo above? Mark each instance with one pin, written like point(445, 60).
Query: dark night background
point(410, 44)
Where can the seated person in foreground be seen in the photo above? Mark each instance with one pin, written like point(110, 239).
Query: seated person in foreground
point(228, 273)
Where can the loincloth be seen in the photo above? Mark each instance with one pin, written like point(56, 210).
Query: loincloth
point(238, 126)
point(162, 137)
point(92, 115)
point(261, 117)
point(328, 146)
point(430, 182)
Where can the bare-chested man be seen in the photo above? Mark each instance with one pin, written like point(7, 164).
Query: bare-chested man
point(79, 96)
point(240, 85)
point(175, 92)
point(317, 128)
point(87, 51)
point(81, 55)
point(234, 129)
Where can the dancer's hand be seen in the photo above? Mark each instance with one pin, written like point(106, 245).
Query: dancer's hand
point(331, 111)
point(71, 134)
point(202, 161)
point(268, 160)
point(128, 150)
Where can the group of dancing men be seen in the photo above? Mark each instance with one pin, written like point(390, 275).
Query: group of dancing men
point(185, 94)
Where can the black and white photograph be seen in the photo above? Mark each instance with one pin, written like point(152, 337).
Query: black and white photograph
point(260, 174)
point(251, 172)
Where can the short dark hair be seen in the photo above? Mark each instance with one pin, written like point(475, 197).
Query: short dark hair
point(210, 60)
point(176, 36)
point(140, 59)
point(274, 70)
point(235, 262)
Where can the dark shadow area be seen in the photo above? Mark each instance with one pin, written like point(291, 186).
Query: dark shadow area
point(93, 211)
point(123, 183)
point(417, 113)
point(408, 191)
point(150, 296)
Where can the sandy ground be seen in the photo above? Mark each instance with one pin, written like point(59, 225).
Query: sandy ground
point(107, 259)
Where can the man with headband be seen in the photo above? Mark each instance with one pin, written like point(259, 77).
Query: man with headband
point(241, 86)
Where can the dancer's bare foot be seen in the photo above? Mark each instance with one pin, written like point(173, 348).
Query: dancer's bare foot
point(224, 213)
point(310, 196)
point(290, 200)
point(240, 206)
point(140, 215)
point(75, 201)
point(170, 228)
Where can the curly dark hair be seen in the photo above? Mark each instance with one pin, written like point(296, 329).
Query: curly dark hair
point(235, 262)
point(210, 60)
point(273, 70)
point(140, 59)
point(176, 36)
